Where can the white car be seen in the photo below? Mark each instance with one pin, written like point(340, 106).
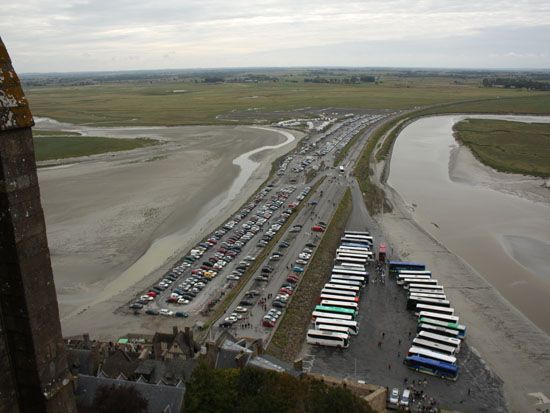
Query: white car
point(240, 309)
point(147, 298)
point(304, 256)
point(394, 396)
point(231, 319)
point(183, 301)
point(165, 311)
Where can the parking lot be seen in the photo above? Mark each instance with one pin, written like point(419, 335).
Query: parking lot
point(386, 330)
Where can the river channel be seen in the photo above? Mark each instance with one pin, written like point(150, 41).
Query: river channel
point(505, 237)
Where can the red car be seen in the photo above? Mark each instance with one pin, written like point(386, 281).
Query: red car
point(317, 228)
point(267, 323)
point(152, 294)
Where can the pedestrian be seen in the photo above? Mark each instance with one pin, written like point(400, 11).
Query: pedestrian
point(383, 334)
point(399, 341)
point(389, 366)
point(379, 344)
point(398, 354)
point(410, 334)
point(469, 392)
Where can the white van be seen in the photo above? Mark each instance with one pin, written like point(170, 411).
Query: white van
point(404, 401)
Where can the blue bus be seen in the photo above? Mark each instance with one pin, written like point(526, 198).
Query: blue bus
point(396, 266)
point(430, 366)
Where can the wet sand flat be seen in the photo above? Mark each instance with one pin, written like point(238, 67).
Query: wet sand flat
point(104, 212)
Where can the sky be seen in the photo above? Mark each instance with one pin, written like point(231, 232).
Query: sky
point(96, 35)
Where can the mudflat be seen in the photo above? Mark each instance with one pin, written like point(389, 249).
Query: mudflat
point(106, 211)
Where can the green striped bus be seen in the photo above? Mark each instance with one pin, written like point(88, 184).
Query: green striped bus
point(336, 310)
point(451, 326)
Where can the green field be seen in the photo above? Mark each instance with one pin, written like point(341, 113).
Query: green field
point(144, 103)
point(50, 145)
point(508, 146)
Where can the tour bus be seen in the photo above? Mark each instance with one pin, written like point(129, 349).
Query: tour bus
point(335, 329)
point(341, 281)
point(395, 266)
point(434, 367)
point(353, 326)
point(435, 308)
point(351, 263)
point(410, 272)
point(356, 242)
point(347, 244)
point(439, 316)
point(417, 286)
point(426, 291)
point(436, 329)
point(408, 281)
point(355, 278)
point(320, 314)
point(339, 292)
point(411, 278)
point(342, 304)
point(346, 271)
point(353, 249)
point(438, 338)
point(342, 287)
point(451, 325)
point(337, 297)
point(354, 253)
point(357, 232)
point(424, 352)
point(413, 301)
point(361, 237)
point(427, 295)
point(432, 345)
point(328, 338)
point(336, 310)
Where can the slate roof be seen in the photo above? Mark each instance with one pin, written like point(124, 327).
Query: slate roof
point(227, 353)
point(159, 396)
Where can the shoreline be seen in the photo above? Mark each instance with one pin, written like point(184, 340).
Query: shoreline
point(514, 347)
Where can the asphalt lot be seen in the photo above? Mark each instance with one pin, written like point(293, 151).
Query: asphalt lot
point(383, 318)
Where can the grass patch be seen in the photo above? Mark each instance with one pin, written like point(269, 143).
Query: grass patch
point(142, 103)
point(291, 332)
point(515, 147)
point(41, 133)
point(61, 147)
point(260, 258)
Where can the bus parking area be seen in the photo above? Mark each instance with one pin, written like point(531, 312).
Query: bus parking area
point(386, 330)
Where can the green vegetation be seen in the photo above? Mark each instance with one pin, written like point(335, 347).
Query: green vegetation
point(254, 390)
point(156, 103)
point(291, 332)
point(508, 146)
point(53, 146)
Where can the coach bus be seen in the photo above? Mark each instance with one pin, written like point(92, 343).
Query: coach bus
point(366, 233)
point(432, 345)
point(434, 367)
point(438, 316)
point(427, 295)
point(342, 304)
point(336, 310)
point(416, 286)
point(320, 314)
point(395, 266)
point(435, 308)
point(339, 292)
point(352, 249)
point(355, 278)
point(345, 282)
point(353, 326)
point(351, 262)
point(408, 281)
point(441, 339)
point(414, 272)
point(328, 338)
point(331, 286)
point(414, 301)
point(414, 290)
point(435, 355)
point(450, 325)
point(361, 237)
point(337, 297)
point(356, 241)
point(410, 278)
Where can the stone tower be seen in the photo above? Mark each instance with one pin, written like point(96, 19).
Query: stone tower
point(33, 365)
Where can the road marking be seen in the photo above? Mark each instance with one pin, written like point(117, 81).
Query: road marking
point(541, 398)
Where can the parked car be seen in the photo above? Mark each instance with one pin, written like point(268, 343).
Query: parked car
point(394, 396)
point(136, 306)
point(404, 401)
point(181, 314)
point(151, 312)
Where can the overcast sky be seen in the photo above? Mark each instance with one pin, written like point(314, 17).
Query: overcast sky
point(78, 35)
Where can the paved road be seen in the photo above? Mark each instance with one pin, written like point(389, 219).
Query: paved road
point(383, 311)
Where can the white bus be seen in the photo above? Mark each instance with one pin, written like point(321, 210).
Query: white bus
point(367, 233)
point(321, 314)
point(351, 263)
point(414, 301)
point(402, 278)
point(426, 291)
point(435, 308)
point(355, 278)
point(353, 326)
point(336, 329)
point(339, 292)
point(408, 281)
point(417, 286)
point(438, 316)
point(352, 249)
point(338, 269)
point(328, 338)
point(341, 304)
point(357, 255)
point(342, 287)
point(344, 282)
point(414, 272)
point(435, 328)
point(355, 242)
point(432, 345)
point(427, 295)
point(441, 339)
point(366, 238)
point(337, 297)
point(363, 252)
point(434, 355)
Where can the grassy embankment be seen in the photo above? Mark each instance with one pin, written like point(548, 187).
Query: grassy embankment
point(142, 103)
point(291, 331)
point(381, 141)
point(50, 145)
point(228, 299)
point(514, 147)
